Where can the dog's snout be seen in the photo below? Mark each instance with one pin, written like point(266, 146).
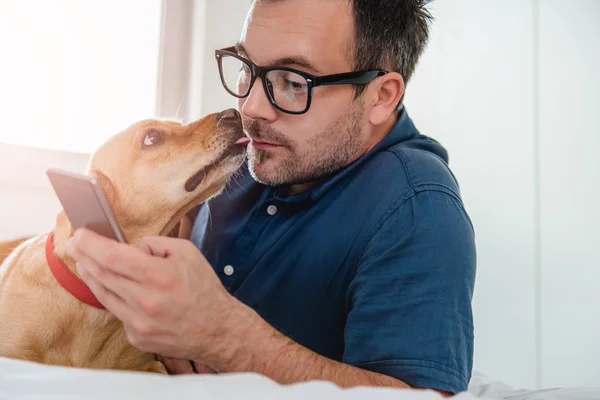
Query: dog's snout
point(230, 122)
point(231, 115)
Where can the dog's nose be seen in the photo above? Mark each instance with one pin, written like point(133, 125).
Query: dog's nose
point(231, 115)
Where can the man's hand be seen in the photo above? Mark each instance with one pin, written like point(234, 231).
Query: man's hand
point(184, 367)
point(167, 295)
point(172, 303)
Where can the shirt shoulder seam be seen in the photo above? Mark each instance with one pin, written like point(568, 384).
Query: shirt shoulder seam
point(396, 205)
point(402, 156)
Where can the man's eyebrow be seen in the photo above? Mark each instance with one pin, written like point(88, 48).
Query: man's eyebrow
point(296, 60)
point(291, 60)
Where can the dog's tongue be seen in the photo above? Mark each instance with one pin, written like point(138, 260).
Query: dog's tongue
point(243, 141)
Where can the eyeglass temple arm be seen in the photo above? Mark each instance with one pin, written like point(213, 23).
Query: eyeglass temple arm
point(358, 77)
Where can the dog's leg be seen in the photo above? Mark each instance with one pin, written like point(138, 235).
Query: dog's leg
point(154, 366)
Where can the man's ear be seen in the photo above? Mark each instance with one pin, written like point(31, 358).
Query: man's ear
point(387, 93)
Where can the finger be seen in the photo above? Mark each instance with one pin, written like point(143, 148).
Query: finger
point(110, 300)
point(178, 367)
point(109, 283)
point(203, 369)
point(185, 367)
point(170, 365)
point(110, 254)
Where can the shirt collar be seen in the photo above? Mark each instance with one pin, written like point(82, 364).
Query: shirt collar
point(403, 130)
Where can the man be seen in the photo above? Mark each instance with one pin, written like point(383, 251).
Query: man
point(343, 251)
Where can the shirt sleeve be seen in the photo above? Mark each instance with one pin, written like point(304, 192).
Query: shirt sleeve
point(409, 303)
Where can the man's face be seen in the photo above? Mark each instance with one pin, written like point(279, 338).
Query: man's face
point(313, 36)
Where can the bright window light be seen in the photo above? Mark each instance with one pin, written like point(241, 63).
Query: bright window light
point(75, 72)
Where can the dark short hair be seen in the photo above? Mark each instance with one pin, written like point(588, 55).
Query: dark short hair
point(390, 34)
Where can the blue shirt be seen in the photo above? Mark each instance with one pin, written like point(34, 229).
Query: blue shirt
point(374, 267)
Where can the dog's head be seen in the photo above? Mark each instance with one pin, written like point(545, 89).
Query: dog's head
point(155, 171)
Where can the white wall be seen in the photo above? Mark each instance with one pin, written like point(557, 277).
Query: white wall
point(569, 105)
point(28, 205)
point(510, 88)
point(73, 72)
point(189, 79)
point(473, 91)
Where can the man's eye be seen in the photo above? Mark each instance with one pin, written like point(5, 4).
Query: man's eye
point(295, 85)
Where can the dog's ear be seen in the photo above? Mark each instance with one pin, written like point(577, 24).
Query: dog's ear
point(63, 229)
point(113, 198)
point(107, 186)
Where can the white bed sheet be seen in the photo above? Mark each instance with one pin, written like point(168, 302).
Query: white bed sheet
point(485, 387)
point(27, 380)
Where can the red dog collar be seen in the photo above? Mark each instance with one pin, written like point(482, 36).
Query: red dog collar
point(67, 278)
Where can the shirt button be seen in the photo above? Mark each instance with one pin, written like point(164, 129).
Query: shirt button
point(272, 210)
point(228, 270)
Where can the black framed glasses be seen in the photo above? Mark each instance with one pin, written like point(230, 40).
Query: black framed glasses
point(288, 89)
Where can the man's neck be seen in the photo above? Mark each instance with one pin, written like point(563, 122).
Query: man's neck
point(295, 189)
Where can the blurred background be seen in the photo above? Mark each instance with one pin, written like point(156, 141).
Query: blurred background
point(509, 87)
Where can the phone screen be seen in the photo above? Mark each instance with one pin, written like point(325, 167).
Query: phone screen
point(85, 203)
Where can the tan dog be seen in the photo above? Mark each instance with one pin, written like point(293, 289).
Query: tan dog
point(153, 173)
point(8, 247)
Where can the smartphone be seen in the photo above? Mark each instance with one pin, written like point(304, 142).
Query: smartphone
point(85, 203)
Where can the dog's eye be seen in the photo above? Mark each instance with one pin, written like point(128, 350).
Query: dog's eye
point(154, 138)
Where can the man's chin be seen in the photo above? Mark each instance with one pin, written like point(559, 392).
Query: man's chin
point(270, 175)
point(268, 171)
point(263, 170)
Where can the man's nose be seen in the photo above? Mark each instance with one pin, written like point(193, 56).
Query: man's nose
point(257, 105)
